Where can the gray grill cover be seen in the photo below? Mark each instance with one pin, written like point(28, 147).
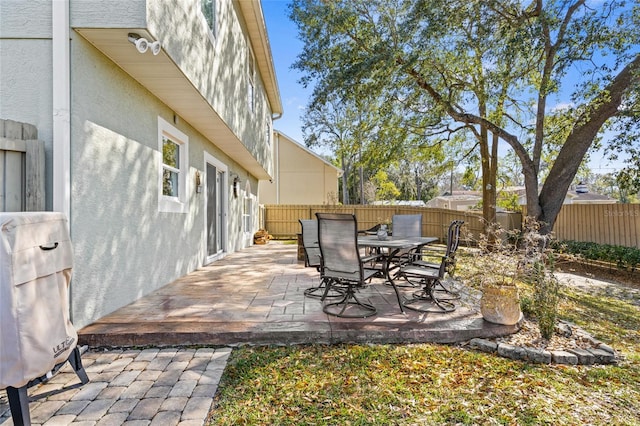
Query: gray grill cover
point(35, 330)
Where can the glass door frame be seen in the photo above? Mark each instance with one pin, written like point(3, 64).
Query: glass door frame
point(222, 211)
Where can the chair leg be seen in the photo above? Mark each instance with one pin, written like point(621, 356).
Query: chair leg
point(363, 310)
point(450, 294)
point(427, 297)
point(324, 290)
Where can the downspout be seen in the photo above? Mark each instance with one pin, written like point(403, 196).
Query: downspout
point(277, 167)
point(61, 108)
point(276, 162)
point(61, 115)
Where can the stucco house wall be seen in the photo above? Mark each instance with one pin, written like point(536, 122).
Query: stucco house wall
point(300, 177)
point(125, 244)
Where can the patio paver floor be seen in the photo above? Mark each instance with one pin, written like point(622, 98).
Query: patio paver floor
point(255, 296)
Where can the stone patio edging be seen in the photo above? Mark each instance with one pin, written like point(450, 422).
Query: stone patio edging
point(599, 353)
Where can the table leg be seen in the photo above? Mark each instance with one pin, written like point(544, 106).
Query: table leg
point(387, 273)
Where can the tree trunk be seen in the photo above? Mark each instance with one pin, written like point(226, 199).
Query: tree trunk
point(362, 200)
point(345, 182)
point(578, 143)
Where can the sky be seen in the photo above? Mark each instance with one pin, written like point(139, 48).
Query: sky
point(285, 47)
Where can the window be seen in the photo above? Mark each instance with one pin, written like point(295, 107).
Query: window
point(251, 70)
point(209, 9)
point(246, 213)
point(173, 146)
point(170, 167)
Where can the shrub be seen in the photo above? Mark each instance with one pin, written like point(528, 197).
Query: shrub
point(527, 257)
point(627, 258)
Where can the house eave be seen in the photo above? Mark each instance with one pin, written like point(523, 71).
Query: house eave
point(160, 75)
point(254, 19)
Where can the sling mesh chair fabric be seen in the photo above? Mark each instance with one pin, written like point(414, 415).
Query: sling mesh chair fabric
point(403, 226)
point(430, 276)
point(453, 241)
point(313, 258)
point(406, 225)
point(343, 265)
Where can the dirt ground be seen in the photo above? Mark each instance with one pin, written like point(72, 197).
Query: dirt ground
point(599, 280)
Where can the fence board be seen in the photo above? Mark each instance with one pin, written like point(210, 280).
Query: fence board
point(13, 182)
point(34, 176)
point(615, 224)
point(281, 221)
point(22, 187)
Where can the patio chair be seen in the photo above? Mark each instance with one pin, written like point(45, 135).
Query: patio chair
point(430, 276)
point(453, 241)
point(343, 265)
point(405, 225)
point(313, 259)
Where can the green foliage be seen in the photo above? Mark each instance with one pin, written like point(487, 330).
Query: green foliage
point(385, 189)
point(545, 301)
point(526, 305)
point(627, 258)
point(510, 258)
point(435, 70)
point(509, 201)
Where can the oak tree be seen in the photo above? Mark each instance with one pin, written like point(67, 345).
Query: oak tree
point(492, 69)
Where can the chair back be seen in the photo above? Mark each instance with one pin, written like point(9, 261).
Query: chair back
point(453, 236)
point(338, 240)
point(310, 242)
point(406, 225)
point(453, 241)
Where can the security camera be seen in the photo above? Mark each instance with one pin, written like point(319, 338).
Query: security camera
point(155, 47)
point(142, 45)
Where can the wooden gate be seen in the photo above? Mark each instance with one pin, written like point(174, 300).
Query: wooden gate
point(21, 168)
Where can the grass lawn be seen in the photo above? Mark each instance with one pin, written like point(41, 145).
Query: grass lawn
point(438, 384)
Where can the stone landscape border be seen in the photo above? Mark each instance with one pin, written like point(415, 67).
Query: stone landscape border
point(598, 353)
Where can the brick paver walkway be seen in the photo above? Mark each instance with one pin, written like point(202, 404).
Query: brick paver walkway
point(163, 387)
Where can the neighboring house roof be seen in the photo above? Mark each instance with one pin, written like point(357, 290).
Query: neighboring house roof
point(579, 197)
point(470, 198)
point(173, 77)
point(412, 203)
point(462, 193)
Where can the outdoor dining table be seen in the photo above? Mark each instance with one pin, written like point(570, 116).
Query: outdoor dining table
point(389, 248)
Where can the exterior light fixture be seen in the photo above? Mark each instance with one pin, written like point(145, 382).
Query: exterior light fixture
point(198, 182)
point(236, 185)
point(142, 44)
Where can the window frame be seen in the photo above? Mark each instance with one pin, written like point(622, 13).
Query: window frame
point(212, 26)
point(173, 204)
point(247, 210)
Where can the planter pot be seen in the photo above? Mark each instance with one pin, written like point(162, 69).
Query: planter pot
point(382, 233)
point(500, 304)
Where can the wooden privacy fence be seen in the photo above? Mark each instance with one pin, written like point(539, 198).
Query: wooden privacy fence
point(615, 224)
point(21, 168)
point(282, 220)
